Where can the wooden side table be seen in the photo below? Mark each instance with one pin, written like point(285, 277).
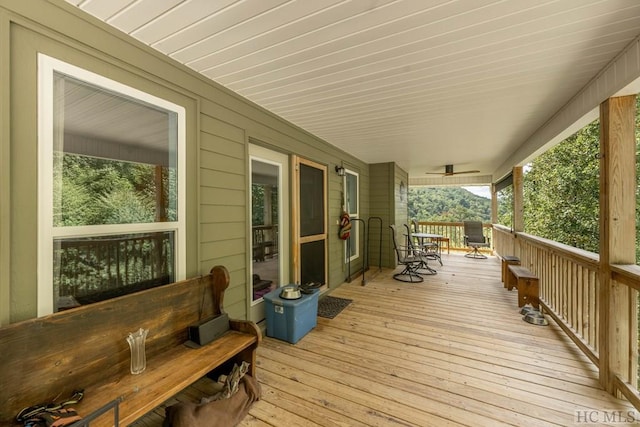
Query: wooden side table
point(443, 240)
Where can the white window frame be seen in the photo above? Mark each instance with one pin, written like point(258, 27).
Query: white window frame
point(46, 231)
point(354, 227)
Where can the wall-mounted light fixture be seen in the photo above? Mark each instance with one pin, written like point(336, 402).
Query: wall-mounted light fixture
point(339, 170)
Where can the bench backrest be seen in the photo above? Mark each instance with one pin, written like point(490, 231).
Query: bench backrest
point(48, 357)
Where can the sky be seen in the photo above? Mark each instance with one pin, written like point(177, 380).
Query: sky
point(480, 190)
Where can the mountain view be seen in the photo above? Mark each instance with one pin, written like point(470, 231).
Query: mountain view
point(447, 204)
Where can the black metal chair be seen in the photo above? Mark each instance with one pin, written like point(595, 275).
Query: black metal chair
point(431, 248)
point(408, 259)
point(419, 250)
point(474, 238)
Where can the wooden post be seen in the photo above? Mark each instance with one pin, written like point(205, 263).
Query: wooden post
point(494, 216)
point(518, 199)
point(161, 216)
point(161, 200)
point(267, 214)
point(518, 208)
point(617, 239)
point(494, 204)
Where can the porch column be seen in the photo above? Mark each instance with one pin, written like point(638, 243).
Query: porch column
point(494, 204)
point(617, 238)
point(518, 200)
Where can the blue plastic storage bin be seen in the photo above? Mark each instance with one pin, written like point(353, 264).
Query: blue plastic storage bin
point(290, 320)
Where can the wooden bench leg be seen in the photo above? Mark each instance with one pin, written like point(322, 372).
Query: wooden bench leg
point(528, 289)
point(506, 262)
point(511, 281)
point(505, 272)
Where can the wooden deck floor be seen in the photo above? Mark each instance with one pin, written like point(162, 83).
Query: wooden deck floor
point(452, 350)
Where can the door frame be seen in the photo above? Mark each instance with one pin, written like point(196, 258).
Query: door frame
point(255, 309)
point(296, 240)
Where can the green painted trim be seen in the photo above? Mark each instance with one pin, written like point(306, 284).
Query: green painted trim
point(197, 197)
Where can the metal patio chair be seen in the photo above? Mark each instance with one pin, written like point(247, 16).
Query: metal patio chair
point(408, 259)
point(424, 252)
point(474, 238)
point(431, 247)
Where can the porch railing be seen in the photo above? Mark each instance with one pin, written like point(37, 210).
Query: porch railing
point(569, 283)
point(265, 241)
point(92, 269)
point(569, 287)
point(570, 292)
point(454, 231)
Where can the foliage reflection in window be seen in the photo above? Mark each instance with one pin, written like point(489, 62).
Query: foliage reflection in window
point(113, 212)
point(97, 191)
point(261, 194)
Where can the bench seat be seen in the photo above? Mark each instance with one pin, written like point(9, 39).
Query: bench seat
point(527, 284)
point(166, 375)
point(508, 260)
point(45, 359)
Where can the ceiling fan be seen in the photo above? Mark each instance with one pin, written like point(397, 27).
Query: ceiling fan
point(448, 171)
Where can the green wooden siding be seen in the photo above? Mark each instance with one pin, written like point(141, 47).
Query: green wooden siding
point(219, 125)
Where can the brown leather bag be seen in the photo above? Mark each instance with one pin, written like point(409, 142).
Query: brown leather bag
point(218, 413)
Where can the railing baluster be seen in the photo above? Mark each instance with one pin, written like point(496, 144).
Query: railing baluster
point(86, 267)
point(569, 281)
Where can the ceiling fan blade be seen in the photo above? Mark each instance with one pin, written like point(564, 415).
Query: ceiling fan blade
point(448, 171)
point(461, 172)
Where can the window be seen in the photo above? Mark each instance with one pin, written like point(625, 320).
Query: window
point(111, 188)
point(352, 206)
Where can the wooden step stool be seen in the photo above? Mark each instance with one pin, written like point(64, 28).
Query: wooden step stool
point(508, 260)
point(527, 283)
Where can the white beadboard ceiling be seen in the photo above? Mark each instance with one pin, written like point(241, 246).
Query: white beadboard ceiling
point(423, 83)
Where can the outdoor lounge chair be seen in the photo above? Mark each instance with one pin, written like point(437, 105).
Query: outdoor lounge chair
point(475, 239)
point(408, 259)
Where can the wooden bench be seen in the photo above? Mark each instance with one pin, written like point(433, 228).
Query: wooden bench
point(527, 284)
point(45, 359)
point(508, 260)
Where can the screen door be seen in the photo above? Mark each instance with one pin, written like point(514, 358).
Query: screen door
point(310, 228)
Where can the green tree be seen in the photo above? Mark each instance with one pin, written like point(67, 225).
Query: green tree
point(561, 190)
point(124, 206)
point(92, 191)
point(505, 206)
point(257, 203)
